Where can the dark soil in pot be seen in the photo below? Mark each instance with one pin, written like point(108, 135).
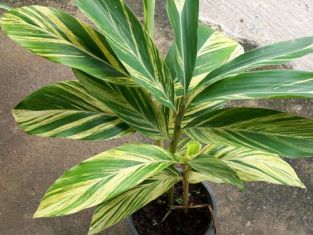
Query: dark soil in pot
point(196, 222)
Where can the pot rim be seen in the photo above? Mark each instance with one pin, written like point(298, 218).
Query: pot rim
point(210, 230)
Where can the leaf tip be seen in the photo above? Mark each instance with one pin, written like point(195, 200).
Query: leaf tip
point(37, 214)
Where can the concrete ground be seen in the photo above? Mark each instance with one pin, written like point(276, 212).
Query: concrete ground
point(30, 164)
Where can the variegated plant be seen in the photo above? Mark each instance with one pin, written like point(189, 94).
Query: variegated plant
point(124, 86)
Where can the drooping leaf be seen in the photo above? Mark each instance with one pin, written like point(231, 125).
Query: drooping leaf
point(132, 45)
point(184, 16)
point(261, 84)
point(272, 131)
point(275, 54)
point(215, 168)
point(255, 165)
point(112, 211)
point(102, 178)
point(67, 110)
point(133, 105)
point(61, 38)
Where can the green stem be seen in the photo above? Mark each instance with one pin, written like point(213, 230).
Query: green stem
point(159, 143)
point(186, 170)
point(175, 138)
point(149, 11)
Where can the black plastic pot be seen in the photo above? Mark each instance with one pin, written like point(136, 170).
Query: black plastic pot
point(212, 201)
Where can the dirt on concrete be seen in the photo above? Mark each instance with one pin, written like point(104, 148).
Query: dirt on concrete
point(30, 164)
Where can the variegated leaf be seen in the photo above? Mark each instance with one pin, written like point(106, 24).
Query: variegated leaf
point(61, 38)
point(67, 110)
point(195, 177)
point(260, 84)
point(170, 62)
point(213, 50)
point(182, 146)
point(132, 45)
point(184, 16)
point(278, 53)
point(214, 168)
point(149, 9)
point(273, 131)
point(102, 178)
point(255, 165)
point(111, 212)
point(133, 105)
point(195, 111)
point(5, 6)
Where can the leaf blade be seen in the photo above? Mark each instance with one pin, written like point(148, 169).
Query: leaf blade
point(260, 85)
point(5, 6)
point(255, 165)
point(102, 178)
point(61, 38)
point(268, 130)
point(113, 211)
point(274, 54)
point(149, 11)
point(67, 110)
point(132, 45)
point(184, 16)
point(215, 169)
point(214, 49)
point(133, 105)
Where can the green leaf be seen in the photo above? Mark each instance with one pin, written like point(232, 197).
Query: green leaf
point(111, 212)
point(213, 50)
point(272, 131)
point(170, 62)
point(193, 148)
point(102, 178)
point(196, 178)
point(255, 165)
point(274, 54)
point(5, 6)
point(261, 84)
point(133, 105)
point(132, 45)
point(188, 150)
point(67, 110)
point(184, 16)
point(59, 37)
point(149, 11)
point(196, 110)
point(214, 168)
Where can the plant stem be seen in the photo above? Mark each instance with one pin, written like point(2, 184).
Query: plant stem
point(175, 138)
point(186, 187)
point(159, 143)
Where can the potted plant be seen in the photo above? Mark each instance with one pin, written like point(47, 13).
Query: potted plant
point(124, 86)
